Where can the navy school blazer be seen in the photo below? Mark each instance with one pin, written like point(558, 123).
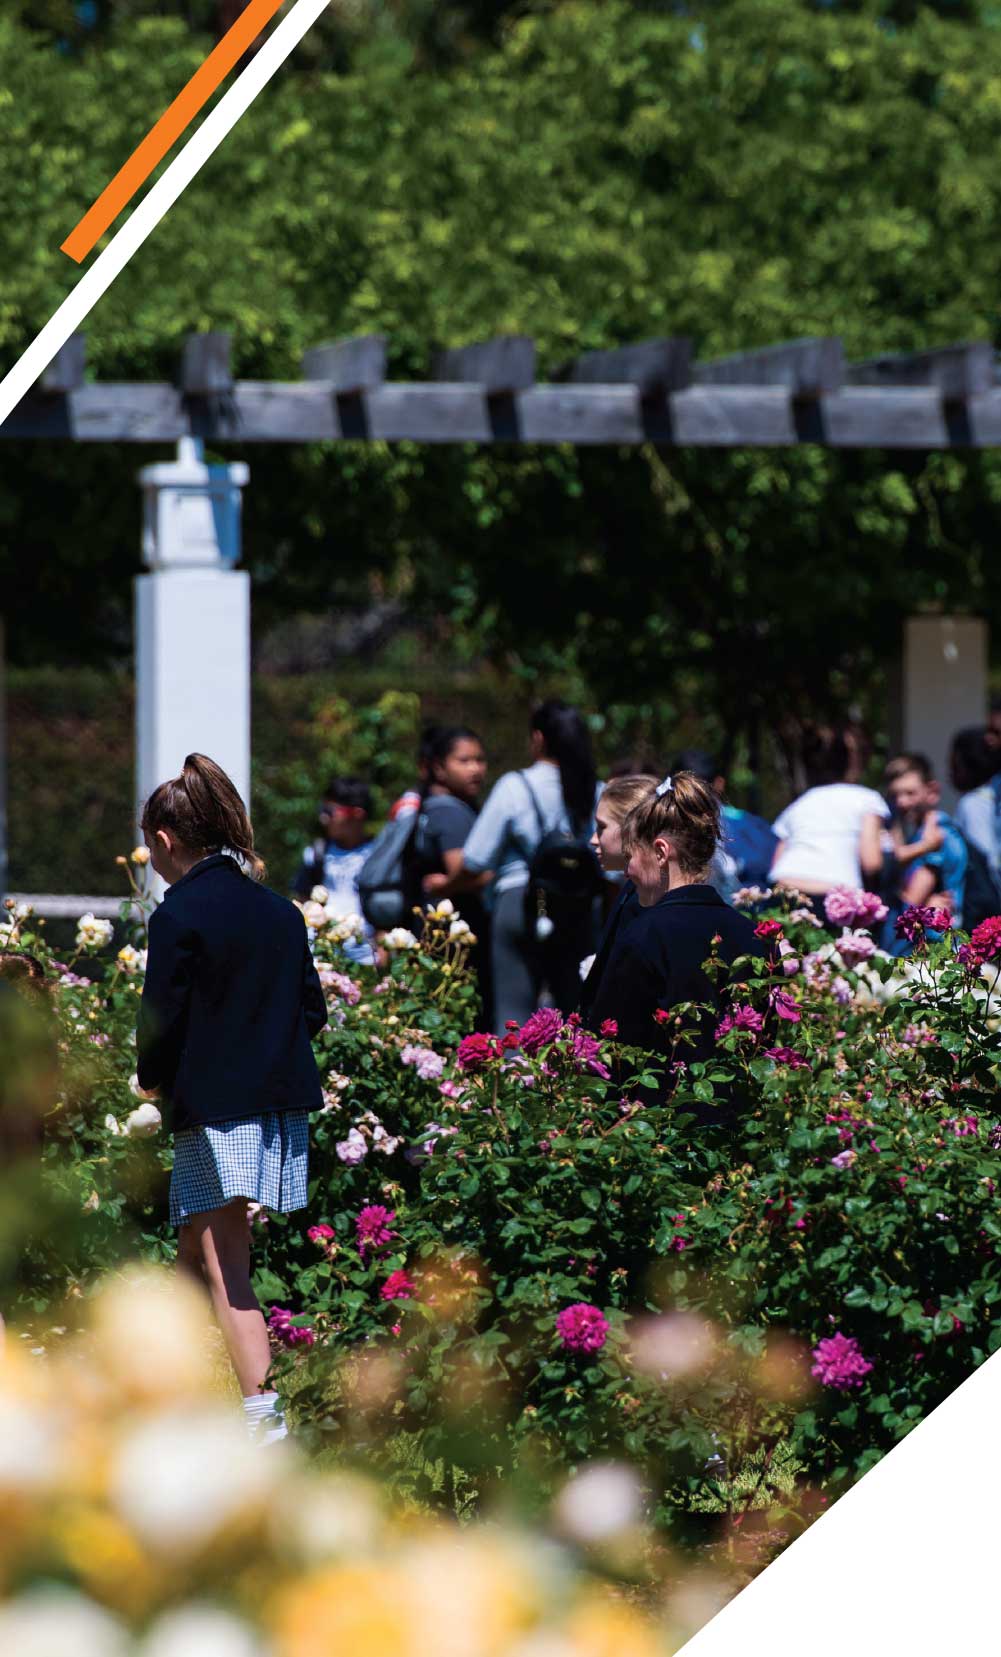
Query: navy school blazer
point(231, 1000)
point(625, 910)
point(657, 961)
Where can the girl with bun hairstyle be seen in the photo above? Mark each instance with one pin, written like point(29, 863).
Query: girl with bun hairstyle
point(229, 1008)
point(657, 962)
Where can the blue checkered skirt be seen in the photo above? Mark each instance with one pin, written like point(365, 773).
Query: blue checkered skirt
point(263, 1158)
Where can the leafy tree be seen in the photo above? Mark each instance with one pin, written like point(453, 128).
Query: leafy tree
point(607, 172)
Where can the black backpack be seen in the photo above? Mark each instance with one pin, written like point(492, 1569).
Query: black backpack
point(982, 891)
point(388, 889)
point(564, 878)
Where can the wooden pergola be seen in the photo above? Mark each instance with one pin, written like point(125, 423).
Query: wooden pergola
point(784, 395)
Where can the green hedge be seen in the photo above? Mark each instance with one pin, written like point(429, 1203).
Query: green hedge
point(71, 746)
point(70, 783)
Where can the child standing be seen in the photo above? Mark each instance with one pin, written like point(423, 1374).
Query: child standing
point(230, 1005)
point(336, 860)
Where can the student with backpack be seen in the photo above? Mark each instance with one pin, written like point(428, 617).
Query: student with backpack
point(534, 834)
point(229, 1008)
point(975, 773)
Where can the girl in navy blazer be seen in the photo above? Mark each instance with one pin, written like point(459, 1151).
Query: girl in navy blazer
point(657, 961)
point(618, 798)
point(229, 1008)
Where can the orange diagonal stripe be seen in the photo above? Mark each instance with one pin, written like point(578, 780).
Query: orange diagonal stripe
point(169, 127)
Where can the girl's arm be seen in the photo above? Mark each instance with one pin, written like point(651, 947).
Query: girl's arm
point(920, 887)
point(870, 848)
point(163, 1010)
point(456, 878)
point(931, 840)
point(490, 830)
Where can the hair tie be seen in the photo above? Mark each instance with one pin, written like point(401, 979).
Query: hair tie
point(665, 787)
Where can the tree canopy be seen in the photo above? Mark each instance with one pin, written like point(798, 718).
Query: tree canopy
point(743, 172)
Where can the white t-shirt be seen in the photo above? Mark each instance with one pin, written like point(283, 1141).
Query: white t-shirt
point(820, 834)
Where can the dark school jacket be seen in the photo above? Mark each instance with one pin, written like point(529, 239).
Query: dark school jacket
point(657, 962)
point(625, 910)
point(231, 1000)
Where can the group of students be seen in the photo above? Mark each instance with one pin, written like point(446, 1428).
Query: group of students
point(232, 998)
point(898, 842)
point(518, 869)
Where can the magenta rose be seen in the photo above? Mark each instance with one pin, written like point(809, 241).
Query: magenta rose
point(582, 1328)
point(475, 1052)
point(541, 1030)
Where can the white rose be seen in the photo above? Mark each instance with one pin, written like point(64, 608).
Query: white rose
point(111, 1125)
point(193, 1629)
point(400, 938)
point(319, 894)
point(132, 960)
point(444, 909)
point(23, 910)
point(315, 915)
point(181, 1476)
point(46, 1620)
point(142, 1121)
point(92, 933)
point(460, 929)
point(347, 926)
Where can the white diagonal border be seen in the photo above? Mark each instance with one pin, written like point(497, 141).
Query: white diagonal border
point(157, 203)
point(906, 1561)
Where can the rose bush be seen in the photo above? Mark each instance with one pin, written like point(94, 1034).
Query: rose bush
point(524, 1253)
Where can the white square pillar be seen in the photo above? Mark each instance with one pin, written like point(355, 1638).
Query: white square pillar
point(192, 620)
point(192, 674)
point(944, 686)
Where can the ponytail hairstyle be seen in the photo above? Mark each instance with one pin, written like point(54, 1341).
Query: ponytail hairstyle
point(622, 795)
point(684, 810)
point(568, 742)
point(205, 812)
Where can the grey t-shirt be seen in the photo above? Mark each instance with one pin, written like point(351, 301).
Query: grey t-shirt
point(508, 827)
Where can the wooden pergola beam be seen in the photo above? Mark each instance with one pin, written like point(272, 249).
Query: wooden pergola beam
point(66, 370)
point(348, 366)
point(805, 367)
point(779, 396)
point(500, 366)
point(956, 372)
point(206, 368)
point(703, 416)
point(654, 366)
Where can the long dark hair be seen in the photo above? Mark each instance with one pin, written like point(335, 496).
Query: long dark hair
point(568, 742)
point(204, 810)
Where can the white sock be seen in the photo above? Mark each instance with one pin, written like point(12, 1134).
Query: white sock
point(265, 1421)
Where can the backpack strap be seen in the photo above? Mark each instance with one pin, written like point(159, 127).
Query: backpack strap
point(543, 831)
point(528, 852)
